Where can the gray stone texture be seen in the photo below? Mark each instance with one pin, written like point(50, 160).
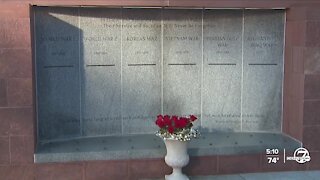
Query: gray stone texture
point(57, 67)
point(110, 71)
point(262, 70)
point(182, 61)
point(222, 66)
point(100, 71)
point(141, 69)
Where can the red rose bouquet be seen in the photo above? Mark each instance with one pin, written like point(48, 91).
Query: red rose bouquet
point(174, 127)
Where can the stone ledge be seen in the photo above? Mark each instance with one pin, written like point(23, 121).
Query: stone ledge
point(150, 146)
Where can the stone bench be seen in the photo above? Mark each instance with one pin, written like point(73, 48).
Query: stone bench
point(151, 146)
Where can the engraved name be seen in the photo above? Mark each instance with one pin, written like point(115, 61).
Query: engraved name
point(141, 38)
point(182, 38)
point(263, 41)
point(223, 42)
point(222, 38)
point(99, 38)
point(57, 38)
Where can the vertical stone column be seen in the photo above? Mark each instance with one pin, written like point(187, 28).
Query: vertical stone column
point(141, 69)
point(57, 67)
point(100, 60)
point(182, 61)
point(222, 69)
point(262, 70)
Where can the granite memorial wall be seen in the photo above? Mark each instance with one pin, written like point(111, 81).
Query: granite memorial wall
point(110, 71)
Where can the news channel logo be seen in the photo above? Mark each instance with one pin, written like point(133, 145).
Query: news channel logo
point(301, 155)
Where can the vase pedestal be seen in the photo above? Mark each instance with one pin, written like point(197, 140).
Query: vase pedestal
point(176, 157)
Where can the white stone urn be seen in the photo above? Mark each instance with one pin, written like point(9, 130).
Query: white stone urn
point(177, 157)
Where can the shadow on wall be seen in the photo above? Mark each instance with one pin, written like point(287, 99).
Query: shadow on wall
point(57, 73)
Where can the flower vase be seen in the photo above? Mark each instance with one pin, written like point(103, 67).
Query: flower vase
point(176, 157)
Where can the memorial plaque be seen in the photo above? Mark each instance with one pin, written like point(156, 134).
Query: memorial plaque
point(57, 60)
point(262, 70)
point(182, 61)
point(222, 54)
point(141, 69)
point(100, 71)
point(107, 71)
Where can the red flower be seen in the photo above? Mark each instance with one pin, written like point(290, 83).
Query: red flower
point(175, 120)
point(170, 129)
point(167, 121)
point(193, 117)
point(159, 116)
point(177, 124)
point(183, 122)
point(160, 123)
point(171, 123)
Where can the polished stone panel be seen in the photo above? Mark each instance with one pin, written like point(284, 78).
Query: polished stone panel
point(141, 69)
point(222, 69)
point(57, 67)
point(262, 70)
point(110, 71)
point(100, 71)
point(182, 61)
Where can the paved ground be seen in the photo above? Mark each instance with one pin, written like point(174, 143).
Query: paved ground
point(292, 175)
